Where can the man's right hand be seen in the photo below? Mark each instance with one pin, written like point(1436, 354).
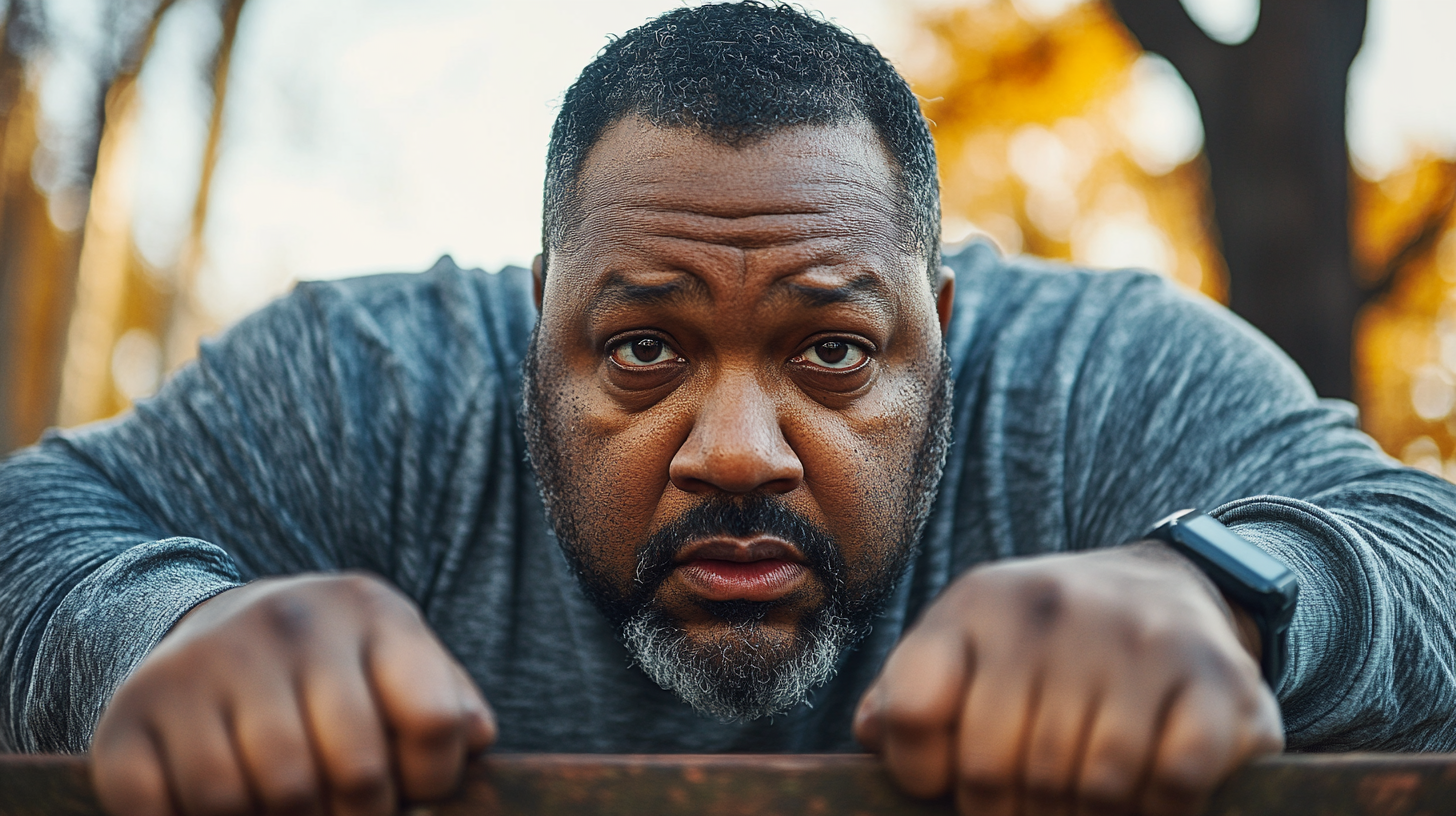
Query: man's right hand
point(317, 694)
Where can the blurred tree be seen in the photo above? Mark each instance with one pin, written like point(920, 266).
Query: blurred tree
point(118, 294)
point(1405, 236)
point(38, 256)
point(71, 281)
point(37, 260)
point(1273, 112)
point(1040, 127)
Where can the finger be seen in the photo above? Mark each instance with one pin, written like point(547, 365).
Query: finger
point(1211, 729)
point(992, 738)
point(418, 690)
point(347, 736)
point(909, 713)
point(273, 744)
point(127, 773)
point(1195, 750)
point(1057, 741)
point(203, 768)
point(481, 729)
point(1122, 739)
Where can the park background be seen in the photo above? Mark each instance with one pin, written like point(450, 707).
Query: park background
point(168, 166)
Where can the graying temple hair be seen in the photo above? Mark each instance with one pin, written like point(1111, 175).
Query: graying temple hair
point(737, 72)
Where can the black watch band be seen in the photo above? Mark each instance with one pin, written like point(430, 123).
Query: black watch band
point(1258, 582)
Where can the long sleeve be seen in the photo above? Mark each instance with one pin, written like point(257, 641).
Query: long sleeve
point(322, 433)
point(1171, 402)
point(1217, 418)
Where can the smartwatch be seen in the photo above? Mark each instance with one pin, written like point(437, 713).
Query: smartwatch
point(1258, 582)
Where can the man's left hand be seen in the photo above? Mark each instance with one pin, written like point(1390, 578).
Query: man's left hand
point(1113, 681)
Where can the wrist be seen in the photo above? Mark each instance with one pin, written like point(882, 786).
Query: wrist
point(1245, 628)
point(1260, 586)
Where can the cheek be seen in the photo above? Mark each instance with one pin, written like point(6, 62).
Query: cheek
point(857, 464)
point(616, 465)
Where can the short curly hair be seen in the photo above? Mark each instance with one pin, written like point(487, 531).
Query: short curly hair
point(737, 72)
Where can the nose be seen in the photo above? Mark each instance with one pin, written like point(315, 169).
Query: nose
point(736, 444)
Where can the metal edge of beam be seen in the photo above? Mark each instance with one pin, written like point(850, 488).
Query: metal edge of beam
point(827, 785)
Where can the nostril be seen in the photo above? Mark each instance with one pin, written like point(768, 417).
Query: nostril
point(736, 470)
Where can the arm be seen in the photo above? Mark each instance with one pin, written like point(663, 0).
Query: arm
point(111, 532)
point(318, 435)
point(1171, 403)
point(1231, 426)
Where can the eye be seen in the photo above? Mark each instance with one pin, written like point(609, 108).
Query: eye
point(835, 355)
point(639, 352)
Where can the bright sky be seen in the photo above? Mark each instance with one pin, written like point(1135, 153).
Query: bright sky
point(371, 135)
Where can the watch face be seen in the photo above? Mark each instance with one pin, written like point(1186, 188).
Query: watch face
point(1235, 555)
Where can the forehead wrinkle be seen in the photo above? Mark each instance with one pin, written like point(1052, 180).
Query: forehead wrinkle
point(758, 231)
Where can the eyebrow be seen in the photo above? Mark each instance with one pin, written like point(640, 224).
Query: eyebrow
point(859, 289)
point(618, 292)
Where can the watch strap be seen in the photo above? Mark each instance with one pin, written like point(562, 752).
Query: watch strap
point(1259, 583)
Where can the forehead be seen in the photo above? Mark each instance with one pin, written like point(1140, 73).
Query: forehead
point(805, 196)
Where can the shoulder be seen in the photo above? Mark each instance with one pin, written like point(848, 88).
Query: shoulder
point(1055, 317)
point(424, 323)
point(421, 314)
point(427, 342)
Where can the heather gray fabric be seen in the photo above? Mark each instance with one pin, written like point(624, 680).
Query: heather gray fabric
point(371, 424)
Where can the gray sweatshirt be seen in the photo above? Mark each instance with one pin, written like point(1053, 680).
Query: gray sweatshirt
point(371, 424)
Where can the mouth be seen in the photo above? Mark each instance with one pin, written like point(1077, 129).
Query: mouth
point(737, 569)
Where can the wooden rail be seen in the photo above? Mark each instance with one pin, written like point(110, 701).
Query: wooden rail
point(817, 785)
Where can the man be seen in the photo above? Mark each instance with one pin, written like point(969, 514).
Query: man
point(811, 486)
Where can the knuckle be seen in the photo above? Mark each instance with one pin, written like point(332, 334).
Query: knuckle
point(361, 584)
point(288, 617)
point(367, 588)
point(378, 596)
point(1043, 601)
point(1149, 638)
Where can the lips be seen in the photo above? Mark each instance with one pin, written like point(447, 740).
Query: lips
point(731, 569)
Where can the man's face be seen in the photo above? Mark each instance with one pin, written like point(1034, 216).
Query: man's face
point(736, 402)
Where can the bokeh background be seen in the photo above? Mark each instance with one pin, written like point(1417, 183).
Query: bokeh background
point(167, 166)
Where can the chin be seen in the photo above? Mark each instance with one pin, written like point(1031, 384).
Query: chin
point(738, 669)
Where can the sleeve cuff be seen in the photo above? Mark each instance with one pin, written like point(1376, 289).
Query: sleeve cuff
point(1341, 621)
point(105, 626)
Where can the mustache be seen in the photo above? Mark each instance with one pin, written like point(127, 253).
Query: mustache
point(739, 517)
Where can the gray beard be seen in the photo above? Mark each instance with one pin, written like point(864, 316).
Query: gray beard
point(737, 676)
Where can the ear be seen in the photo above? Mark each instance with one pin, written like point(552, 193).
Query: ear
point(944, 297)
point(538, 279)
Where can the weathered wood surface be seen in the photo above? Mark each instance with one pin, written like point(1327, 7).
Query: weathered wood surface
point(774, 785)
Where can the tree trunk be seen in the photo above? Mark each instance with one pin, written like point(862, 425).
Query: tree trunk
point(1274, 121)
